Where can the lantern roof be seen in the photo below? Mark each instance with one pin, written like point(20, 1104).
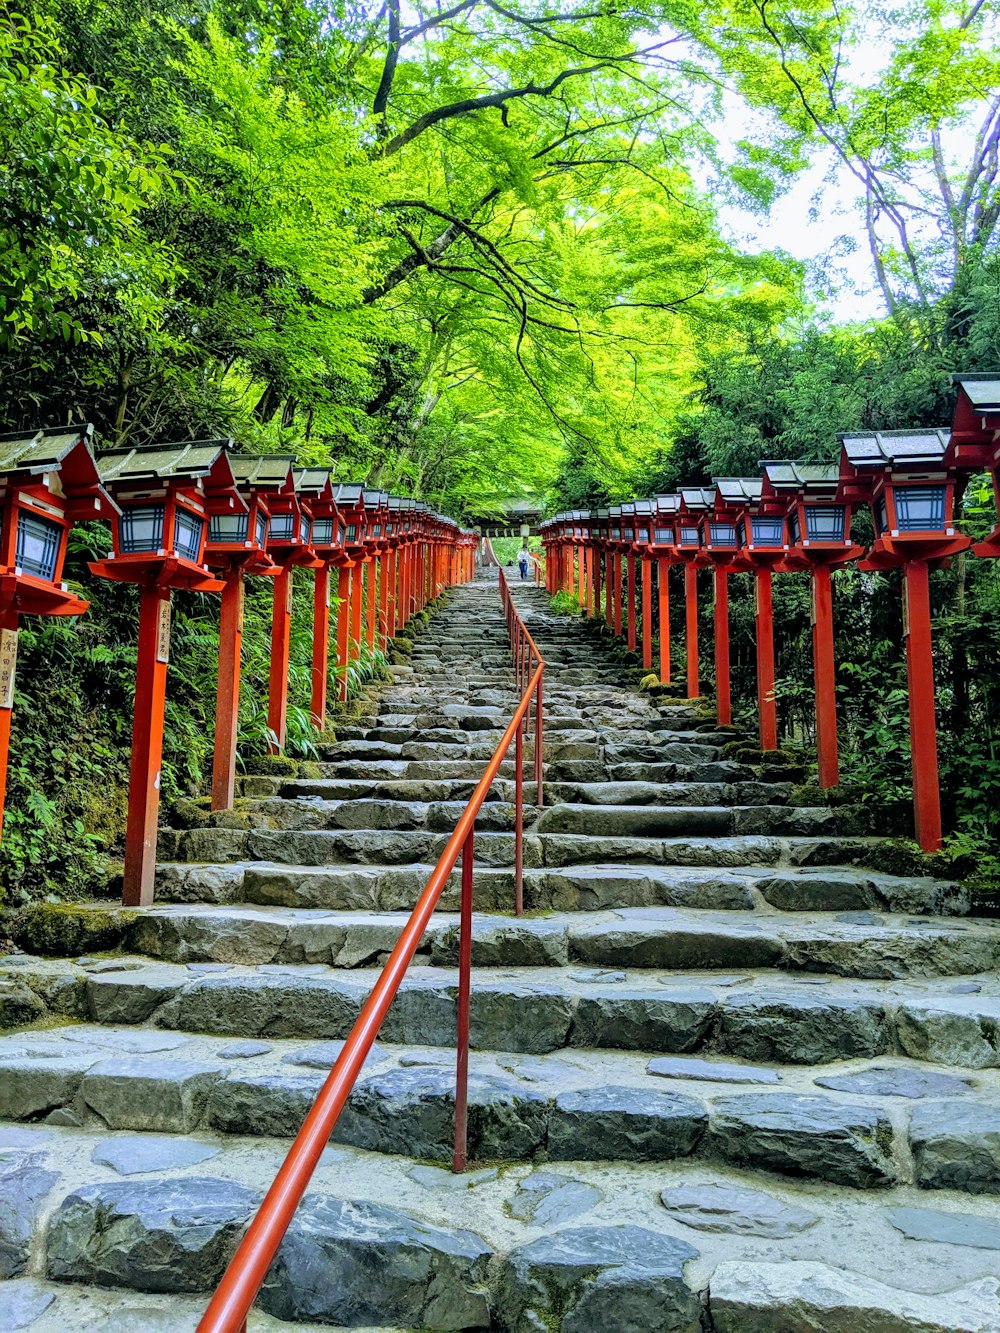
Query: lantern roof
point(264, 472)
point(697, 497)
point(798, 476)
point(738, 490)
point(314, 480)
point(192, 461)
point(374, 498)
point(350, 494)
point(668, 504)
point(66, 450)
point(894, 448)
point(982, 388)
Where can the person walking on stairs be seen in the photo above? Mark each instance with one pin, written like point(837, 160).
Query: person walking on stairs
point(523, 560)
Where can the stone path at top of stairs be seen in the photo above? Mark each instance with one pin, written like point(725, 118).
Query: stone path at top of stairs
point(725, 1077)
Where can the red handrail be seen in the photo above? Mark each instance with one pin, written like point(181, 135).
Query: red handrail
point(227, 1311)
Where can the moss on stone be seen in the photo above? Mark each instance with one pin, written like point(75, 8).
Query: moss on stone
point(271, 766)
point(68, 929)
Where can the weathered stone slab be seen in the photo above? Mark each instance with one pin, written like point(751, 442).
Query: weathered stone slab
point(546, 1199)
point(748, 1297)
point(23, 1187)
point(595, 1278)
point(950, 1035)
point(18, 1004)
point(163, 1095)
point(412, 1112)
point(644, 1020)
point(956, 1145)
point(967, 1229)
point(734, 1211)
point(267, 1006)
point(140, 1153)
point(29, 1089)
point(896, 1081)
point(24, 1301)
point(124, 998)
point(269, 1104)
point(805, 1136)
point(624, 1124)
point(795, 1028)
point(709, 1071)
point(359, 1263)
point(155, 1235)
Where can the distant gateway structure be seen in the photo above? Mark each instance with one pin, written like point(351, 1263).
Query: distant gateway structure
point(510, 519)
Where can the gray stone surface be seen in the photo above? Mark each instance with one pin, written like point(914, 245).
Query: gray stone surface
point(263, 1103)
point(956, 1145)
point(950, 1033)
point(243, 1050)
point(164, 1095)
point(22, 1302)
point(155, 1235)
point(805, 1136)
point(624, 1124)
point(799, 1028)
point(709, 1071)
point(412, 1111)
point(896, 1081)
point(31, 1088)
point(138, 1154)
point(966, 1229)
point(325, 1054)
point(359, 1263)
point(23, 1189)
point(748, 1297)
point(598, 1278)
point(644, 1020)
point(546, 1199)
point(732, 1210)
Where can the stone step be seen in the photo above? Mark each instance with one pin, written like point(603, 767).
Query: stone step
point(689, 1243)
point(401, 847)
point(763, 1015)
point(861, 1126)
point(571, 889)
point(851, 944)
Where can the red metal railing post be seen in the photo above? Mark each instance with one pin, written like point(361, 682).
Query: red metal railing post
point(519, 822)
point(460, 1155)
point(538, 742)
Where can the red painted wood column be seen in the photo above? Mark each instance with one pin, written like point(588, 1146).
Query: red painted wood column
point(357, 605)
point(147, 745)
point(691, 623)
point(663, 597)
point(609, 588)
point(766, 706)
point(385, 582)
point(647, 613)
point(343, 626)
point(824, 674)
point(372, 591)
point(8, 621)
point(227, 697)
point(281, 627)
point(630, 599)
point(597, 582)
point(723, 704)
point(320, 646)
point(923, 724)
point(617, 586)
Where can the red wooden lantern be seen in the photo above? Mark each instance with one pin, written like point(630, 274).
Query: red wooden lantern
point(975, 439)
point(695, 502)
point(720, 545)
point(817, 529)
point(49, 480)
point(350, 503)
point(903, 477)
point(236, 546)
point(166, 494)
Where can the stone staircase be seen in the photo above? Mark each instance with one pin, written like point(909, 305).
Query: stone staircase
point(726, 1077)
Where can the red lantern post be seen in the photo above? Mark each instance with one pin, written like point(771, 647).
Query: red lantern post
point(695, 501)
point(817, 530)
point(236, 546)
point(166, 495)
point(911, 492)
point(50, 479)
point(663, 548)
